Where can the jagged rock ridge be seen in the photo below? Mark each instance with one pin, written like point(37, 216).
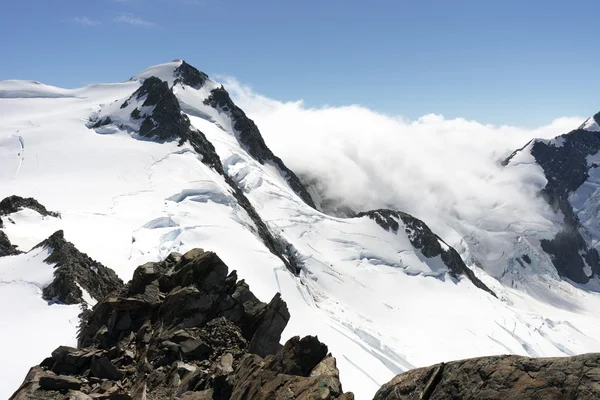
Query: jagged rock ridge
point(6, 247)
point(184, 328)
point(423, 239)
point(249, 136)
point(74, 270)
point(499, 378)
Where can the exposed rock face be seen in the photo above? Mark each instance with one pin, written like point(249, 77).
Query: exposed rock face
point(249, 136)
point(423, 239)
point(500, 378)
point(7, 248)
point(190, 76)
point(12, 204)
point(184, 328)
point(565, 165)
point(73, 269)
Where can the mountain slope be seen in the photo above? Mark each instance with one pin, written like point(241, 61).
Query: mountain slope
point(569, 163)
point(188, 169)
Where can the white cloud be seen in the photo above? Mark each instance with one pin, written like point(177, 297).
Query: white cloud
point(135, 21)
point(86, 21)
point(444, 171)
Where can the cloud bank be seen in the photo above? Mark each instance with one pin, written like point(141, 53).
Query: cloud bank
point(444, 171)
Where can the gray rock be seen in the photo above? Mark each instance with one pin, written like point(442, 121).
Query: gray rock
point(13, 204)
point(6, 247)
point(272, 320)
point(500, 378)
point(59, 382)
point(102, 367)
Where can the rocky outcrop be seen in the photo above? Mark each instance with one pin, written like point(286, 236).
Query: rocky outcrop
point(189, 76)
point(424, 240)
point(185, 328)
point(6, 247)
point(565, 165)
point(74, 270)
point(500, 378)
point(12, 204)
point(249, 137)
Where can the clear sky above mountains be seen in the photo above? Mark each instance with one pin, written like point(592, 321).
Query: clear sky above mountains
point(498, 61)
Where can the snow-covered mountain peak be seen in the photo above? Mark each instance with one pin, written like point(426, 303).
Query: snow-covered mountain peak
point(167, 162)
point(175, 72)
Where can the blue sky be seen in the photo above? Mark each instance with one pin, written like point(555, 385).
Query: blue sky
point(495, 61)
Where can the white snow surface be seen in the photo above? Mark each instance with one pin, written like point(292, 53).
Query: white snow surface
point(32, 329)
point(379, 304)
point(590, 124)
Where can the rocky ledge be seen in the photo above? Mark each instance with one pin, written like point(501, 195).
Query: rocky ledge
point(74, 272)
point(186, 329)
point(6, 247)
point(500, 378)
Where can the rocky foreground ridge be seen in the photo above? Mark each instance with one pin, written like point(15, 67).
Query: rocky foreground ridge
point(186, 328)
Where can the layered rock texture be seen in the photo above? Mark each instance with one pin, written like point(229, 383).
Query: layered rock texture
point(186, 328)
point(500, 377)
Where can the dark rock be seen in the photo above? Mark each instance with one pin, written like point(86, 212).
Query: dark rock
point(13, 204)
point(59, 382)
point(190, 76)
point(424, 240)
point(298, 356)
point(102, 367)
point(566, 169)
point(276, 377)
point(249, 137)
point(73, 267)
point(7, 248)
point(271, 321)
point(70, 361)
point(195, 349)
point(142, 277)
point(500, 378)
point(196, 341)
